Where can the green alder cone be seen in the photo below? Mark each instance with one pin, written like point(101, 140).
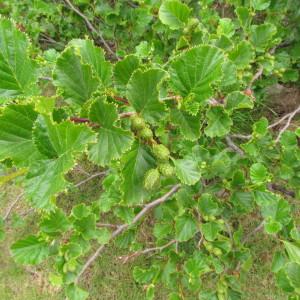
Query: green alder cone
point(146, 134)
point(151, 179)
point(166, 169)
point(137, 123)
point(161, 152)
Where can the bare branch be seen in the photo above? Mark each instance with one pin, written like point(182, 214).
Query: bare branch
point(278, 188)
point(233, 146)
point(12, 206)
point(108, 225)
point(133, 255)
point(288, 123)
point(124, 227)
point(256, 229)
point(90, 178)
point(91, 27)
point(256, 76)
point(288, 116)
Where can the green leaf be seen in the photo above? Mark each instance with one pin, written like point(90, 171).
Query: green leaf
point(46, 177)
point(18, 71)
point(55, 222)
point(86, 226)
point(283, 281)
point(142, 93)
point(292, 271)
point(112, 141)
point(103, 236)
point(238, 100)
point(260, 127)
point(74, 78)
point(261, 36)
point(218, 122)
point(260, 4)
point(81, 211)
point(293, 251)
point(258, 173)
point(211, 230)
point(208, 206)
point(94, 57)
point(193, 72)
point(125, 68)
point(226, 27)
point(174, 13)
point(189, 125)
point(73, 292)
point(187, 170)
point(30, 250)
point(16, 124)
point(244, 16)
point(186, 227)
point(136, 163)
point(242, 55)
point(278, 261)
point(145, 275)
point(278, 211)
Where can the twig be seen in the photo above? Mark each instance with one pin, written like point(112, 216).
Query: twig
point(126, 258)
point(290, 116)
point(12, 206)
point(91, 27)
point(90, 178)
point(108, 225)
point(233, 146)
point(256, 76)
point(126, 114)
point(123, 227)
point(288, 123)
point(278, 188)
point(121, 99)
point(256, 229)
point(279, 121)
point(241, 136)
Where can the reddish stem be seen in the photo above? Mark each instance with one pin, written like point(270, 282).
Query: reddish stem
point(84, 120)
point(121, 99)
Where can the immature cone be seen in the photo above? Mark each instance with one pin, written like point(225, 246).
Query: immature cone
point(137, 123)
point(161, 152)
point(151, 179)
point(146, 134)
point(166, 169)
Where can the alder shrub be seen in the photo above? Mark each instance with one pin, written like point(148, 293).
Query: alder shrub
point(176, 128)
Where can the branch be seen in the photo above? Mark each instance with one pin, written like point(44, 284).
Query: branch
point(256, 229)
point(288, 123)
point(126, 114)
point(12, 206)
point(90, 178)
point(278, 188)
point(233, 146)
point(121, 99)
point(91, 27)
point(256, 76)
point(124, 227)
point(126, 258)
point(108, 225)
point(288, 116)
